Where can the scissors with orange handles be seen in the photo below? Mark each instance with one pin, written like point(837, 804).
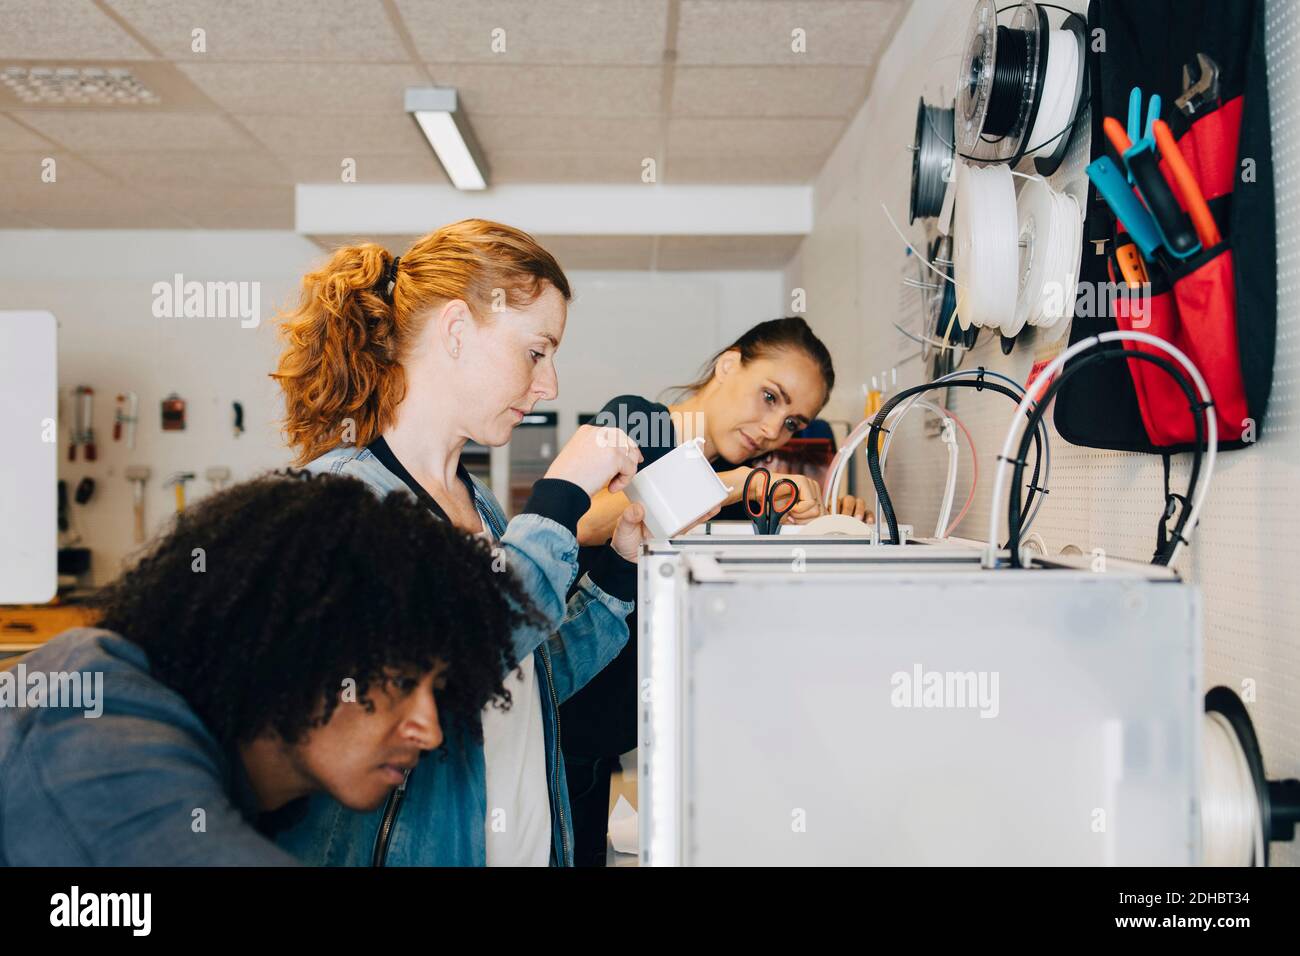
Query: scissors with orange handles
point(762, 508)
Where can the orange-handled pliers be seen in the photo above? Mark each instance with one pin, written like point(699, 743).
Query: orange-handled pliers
point(1207, 230)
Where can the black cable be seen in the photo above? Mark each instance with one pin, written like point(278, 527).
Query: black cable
point(1177, 373)
point(873, 444)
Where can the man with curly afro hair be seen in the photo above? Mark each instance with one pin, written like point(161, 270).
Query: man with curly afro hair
point(291, 635)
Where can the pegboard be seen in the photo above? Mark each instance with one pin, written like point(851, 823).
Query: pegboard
point(1245, 555)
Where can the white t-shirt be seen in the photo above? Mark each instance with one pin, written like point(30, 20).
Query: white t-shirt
point(518, 824)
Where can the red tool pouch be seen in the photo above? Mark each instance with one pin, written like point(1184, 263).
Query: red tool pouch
point(1199, 313)
point(1219, 306)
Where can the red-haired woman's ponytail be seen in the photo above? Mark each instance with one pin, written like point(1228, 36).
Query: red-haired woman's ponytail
point(344, 345)
point(339, 369)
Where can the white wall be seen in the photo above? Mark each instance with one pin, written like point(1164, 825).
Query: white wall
point(1243, 556)
point(627, 331)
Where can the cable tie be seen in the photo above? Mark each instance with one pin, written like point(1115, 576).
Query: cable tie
point(1038, 488)
point(1014, 461)
point(1203, 406)
point(979, 380)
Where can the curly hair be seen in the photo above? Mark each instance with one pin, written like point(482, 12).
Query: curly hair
point(265, 597)
point(345, 342)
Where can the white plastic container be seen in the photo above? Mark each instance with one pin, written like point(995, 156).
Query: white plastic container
point(677, 490)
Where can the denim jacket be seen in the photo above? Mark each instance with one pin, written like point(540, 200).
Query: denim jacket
point(122, 783)
point(437, 817)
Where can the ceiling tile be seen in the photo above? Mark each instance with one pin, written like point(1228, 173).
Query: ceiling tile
point(835, 32)
point(198, 170)
point(805, 137)
point(797, 91)
point(633, 134)
point(16, 138)
point(255, 30)
point(624, 91)
point(527, 166)
point(22, 172)
point(336, 88)
point(229, 206)
point(600, 252)
point(172, 88)
point(81, 197)
point(726, 252)
point(65, 30)
point(740, 168)
point(557, 31)
point(82, 130)
point(327, 168)
point(391, 132)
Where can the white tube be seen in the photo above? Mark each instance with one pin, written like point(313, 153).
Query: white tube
point(1040, 385)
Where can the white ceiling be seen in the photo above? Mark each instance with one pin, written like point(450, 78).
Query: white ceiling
point(584, 92)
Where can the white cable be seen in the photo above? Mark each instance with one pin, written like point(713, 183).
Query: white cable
point(1045, 473)
point(896, 416)
point(1032, 536)
point(1040, 385)
point(840, 463)
point(949, 436)
point(1232, 828)
point(985, 255)
point(1059, 92)
point(906, 242)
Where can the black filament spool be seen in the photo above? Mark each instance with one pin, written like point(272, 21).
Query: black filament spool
point(1010, 73)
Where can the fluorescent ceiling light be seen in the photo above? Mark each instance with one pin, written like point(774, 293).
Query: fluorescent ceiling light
point(436, 110)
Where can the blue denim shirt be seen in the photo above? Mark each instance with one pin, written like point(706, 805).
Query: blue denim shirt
point(443, 813)
point(123, 787)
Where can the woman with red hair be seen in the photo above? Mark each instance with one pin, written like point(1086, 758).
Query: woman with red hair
point(390, 365)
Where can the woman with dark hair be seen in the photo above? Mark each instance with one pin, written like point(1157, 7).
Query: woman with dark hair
point(391, 364)
point(291, 635)
point(750, 399)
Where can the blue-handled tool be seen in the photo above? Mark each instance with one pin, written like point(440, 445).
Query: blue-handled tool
point(1128, 209)
point(1136, 133)
point(1174, 225)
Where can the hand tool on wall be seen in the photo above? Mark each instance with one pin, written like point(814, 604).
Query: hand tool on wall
point(1207, 230)
point(1136, 134)
point(178, 482)
point(1203, 92)
point(85, 490)
point(1128, 209)
point(63, 506)
point(1137, 149)
point(238, 409)
point(138, 475)
point(128, 411)
point(173, 413)
point(1131, 266)
point(217, 476)
point(83, 417)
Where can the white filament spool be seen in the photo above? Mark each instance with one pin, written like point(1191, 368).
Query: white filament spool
point(1050, 233)
point(1058, 95)
point(1071, 248)
point(985, 259)
point(1231, 826)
